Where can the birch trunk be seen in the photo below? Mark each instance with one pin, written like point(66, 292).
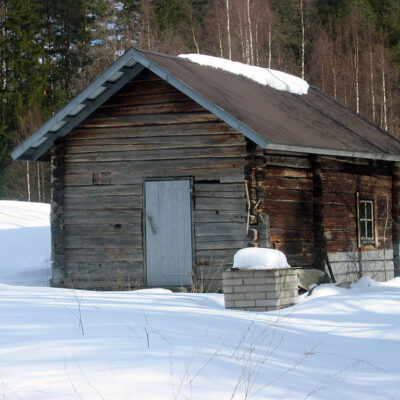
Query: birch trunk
point(38, 182)
point(221, 52)
point(250, 50)
point(384, 111)
point(302, 38)
point(28, 181)
point(269, 45)
point(372, 84)
point(228, 28)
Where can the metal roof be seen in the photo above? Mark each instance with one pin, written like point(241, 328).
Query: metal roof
point(276, 120)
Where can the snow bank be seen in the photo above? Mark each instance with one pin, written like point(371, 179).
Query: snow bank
point(24, 243)
point(264, 76)
point(59, 344)
point(258, 258)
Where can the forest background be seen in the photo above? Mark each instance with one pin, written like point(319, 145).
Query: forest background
point(51, 49)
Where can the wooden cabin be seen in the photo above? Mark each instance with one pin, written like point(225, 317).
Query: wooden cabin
point(162, 169)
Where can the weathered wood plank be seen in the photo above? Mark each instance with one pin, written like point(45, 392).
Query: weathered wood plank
point(217, 216)
point(144, 167)
point(206, 203)
point(103, 203)
point(287, 161)
point(150, 119)
point(103, 242)
point(154, 143)
point(288, 195)
point(162, 108)
point(217, 187)
point(180, 129)
point(108, 190)
point(160, 154)
point(141, 99)
point(228, 244)
point(215, 229)
point(102, 229)
point(103, 254)
point(81, 217)
point(141, 87)
point(287, 172)
point(286, 183)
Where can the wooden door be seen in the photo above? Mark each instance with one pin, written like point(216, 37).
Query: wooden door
point(168, 224)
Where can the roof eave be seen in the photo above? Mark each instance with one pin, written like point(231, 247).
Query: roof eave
point(332, 152)
point(42, 140)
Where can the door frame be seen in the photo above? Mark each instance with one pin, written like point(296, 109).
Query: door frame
point(144, 244)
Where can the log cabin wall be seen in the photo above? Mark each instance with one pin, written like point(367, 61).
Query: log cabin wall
point(286, 206)
point(341, 181)
point(147, 130)
point(310, 204)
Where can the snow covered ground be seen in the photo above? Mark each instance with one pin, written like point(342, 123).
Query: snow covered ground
point(24, 243)
point(154, 344)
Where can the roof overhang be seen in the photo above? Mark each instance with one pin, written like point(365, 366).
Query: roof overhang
point(114, 78)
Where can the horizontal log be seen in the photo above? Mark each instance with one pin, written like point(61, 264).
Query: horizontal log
point(103, 202)
point(213, 237)
point(170, 96)
point(94, 217)
point(137, 88)
point(180, 129)
point(224, 228)
point(218, 216)
point(287, 161)
point(290, 209)
point(290, 222)
point(229, 204)
point(287, 172)
point(151, 119)
point(284, 195)
point(154, 143)
point(233, 195)
point(109, 190)
point(102, 229)
point(218, 187)
point(221, 245)
point(145, 167)
point(272, 182)
point(100, 242)
point(132, 176)
point(282, 234)
point(149, 109)
point(103, 255)
point(157, 154)
point(99, 269)
point(294, 246)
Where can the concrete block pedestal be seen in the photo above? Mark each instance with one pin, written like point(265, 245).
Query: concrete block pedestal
point(260, 289)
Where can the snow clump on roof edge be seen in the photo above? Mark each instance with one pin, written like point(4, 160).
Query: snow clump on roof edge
point(264, 76)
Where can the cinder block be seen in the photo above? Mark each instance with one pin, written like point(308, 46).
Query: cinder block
point(242, 274)
point(227, 289)
point(266, 273)
point(234, 282)
point(251, 281)
point(274, 302)
point(273, 295)
point(257, 309)
point(234, 296)
point(229, 304)
point(242, 289)
point(255, 296)
point(245, 303)
point(260, 288)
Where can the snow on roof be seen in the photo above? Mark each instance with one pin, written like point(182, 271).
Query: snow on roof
point(264, 76)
